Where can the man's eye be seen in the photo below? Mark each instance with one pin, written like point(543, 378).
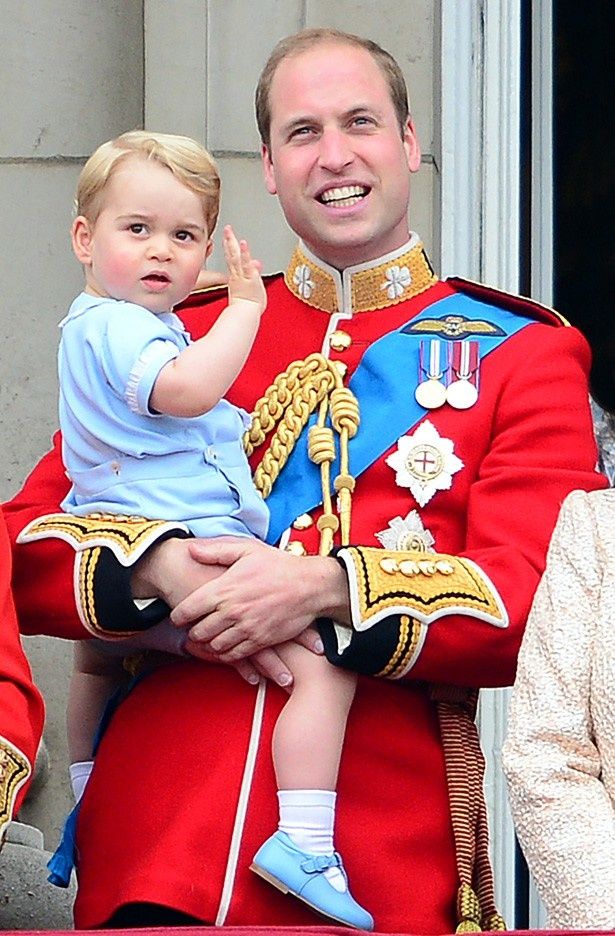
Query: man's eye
point(137, 228)
point(363, 121)
point(184, 236)
point(301, 132)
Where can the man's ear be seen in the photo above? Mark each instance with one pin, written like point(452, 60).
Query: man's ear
point(81, 237)
point(411, 146)
point(268, 170)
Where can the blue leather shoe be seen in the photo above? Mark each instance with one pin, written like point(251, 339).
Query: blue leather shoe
point(293, 871)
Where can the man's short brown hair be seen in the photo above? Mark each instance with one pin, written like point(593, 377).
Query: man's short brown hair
point(306, 39)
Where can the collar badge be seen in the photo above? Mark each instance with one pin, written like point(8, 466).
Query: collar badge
point(303, 280)
point(397, 279)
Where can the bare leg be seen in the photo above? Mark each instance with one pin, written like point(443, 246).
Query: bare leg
point(98, 669)
point(307, 744)
point(309, 734)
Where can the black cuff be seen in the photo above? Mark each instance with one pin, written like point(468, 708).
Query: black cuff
point(369, 652)
point(113, 603)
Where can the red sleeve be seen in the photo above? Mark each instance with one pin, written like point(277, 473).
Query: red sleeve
point(78, 593)
point(48, 608)
point(542, 448)
point(21, 706)
point(538, 446)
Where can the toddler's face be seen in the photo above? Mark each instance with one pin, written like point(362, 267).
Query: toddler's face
point(150, 240)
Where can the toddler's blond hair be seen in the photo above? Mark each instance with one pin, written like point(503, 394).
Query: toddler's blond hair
point(189, 162)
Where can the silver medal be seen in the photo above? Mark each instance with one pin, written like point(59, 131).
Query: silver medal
point(430, 394)
point(461, 394)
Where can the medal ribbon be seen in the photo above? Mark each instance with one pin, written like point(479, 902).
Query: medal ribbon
point(387, 405)
point(465, 361)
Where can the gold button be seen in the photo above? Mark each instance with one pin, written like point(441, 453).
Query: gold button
point(303, 522)
point(341, 368)
point(296, 548)
point(427, 567)
point(389, 565)
point(340, 340)
point(444, 567)
point(409, 568)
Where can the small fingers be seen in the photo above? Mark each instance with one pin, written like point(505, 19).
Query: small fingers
point(232, 251)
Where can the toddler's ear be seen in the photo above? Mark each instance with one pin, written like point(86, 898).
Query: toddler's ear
point(81, 237)
point(210, 247)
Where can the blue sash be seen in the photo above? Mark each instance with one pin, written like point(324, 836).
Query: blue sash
point(384, 384)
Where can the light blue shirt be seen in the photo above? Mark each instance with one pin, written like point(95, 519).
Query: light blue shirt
point(123, 458)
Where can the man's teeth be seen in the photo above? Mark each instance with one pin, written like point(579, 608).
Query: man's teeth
point(344, 196)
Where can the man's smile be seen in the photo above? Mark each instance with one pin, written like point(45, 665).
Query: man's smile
point(343, 196)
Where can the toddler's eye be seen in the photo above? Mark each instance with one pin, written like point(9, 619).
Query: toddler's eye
point(184, 236)
point(137, 228)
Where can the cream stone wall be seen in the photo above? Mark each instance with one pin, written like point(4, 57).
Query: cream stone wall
point(76, 72)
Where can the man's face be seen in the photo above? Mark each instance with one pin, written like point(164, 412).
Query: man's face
point(337, 159)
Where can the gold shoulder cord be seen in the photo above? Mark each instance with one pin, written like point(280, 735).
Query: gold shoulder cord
point(287, 404)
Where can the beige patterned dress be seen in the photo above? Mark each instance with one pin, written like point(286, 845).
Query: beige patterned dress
point(560, 753)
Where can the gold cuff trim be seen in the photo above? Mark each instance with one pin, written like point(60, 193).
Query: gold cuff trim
point(14, 771)
point(409, 645)
point(127, 537)
point(420, 586)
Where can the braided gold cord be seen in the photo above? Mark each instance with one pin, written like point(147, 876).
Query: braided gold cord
point(468, 911)
point(285, 407)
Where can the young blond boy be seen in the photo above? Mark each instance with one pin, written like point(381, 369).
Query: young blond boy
point(147, 432)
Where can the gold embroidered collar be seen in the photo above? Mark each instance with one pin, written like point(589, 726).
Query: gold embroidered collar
point(377, 284)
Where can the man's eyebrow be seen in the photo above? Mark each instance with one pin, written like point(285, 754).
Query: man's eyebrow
point(308, 119)
point(362, 109)
point(295, 122)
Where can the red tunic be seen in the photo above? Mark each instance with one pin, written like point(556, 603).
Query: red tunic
point(183, 792)
point(21, 706)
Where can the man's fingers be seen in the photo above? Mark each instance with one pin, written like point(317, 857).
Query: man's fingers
point(195, 606)
point(269, 664)
point(222, 550)
point(247, 671)
point(310, 638)
point(204, 631)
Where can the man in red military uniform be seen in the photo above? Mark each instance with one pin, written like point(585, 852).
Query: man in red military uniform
point(447, 423)
point(21, 706)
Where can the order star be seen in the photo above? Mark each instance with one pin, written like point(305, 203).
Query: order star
point(424, 462)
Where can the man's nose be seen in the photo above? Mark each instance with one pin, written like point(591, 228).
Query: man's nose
point(335, 152)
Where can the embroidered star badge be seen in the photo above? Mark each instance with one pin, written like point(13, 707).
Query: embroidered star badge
point(407, 533)
point(424, 462)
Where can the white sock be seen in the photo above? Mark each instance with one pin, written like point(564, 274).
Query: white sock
point(79, 775)
point(307, 817)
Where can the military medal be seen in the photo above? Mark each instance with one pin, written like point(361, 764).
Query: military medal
point(430, 393)
point(462, 392)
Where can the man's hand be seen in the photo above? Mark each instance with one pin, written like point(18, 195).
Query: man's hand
point(264, 598)
point(266, 663)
